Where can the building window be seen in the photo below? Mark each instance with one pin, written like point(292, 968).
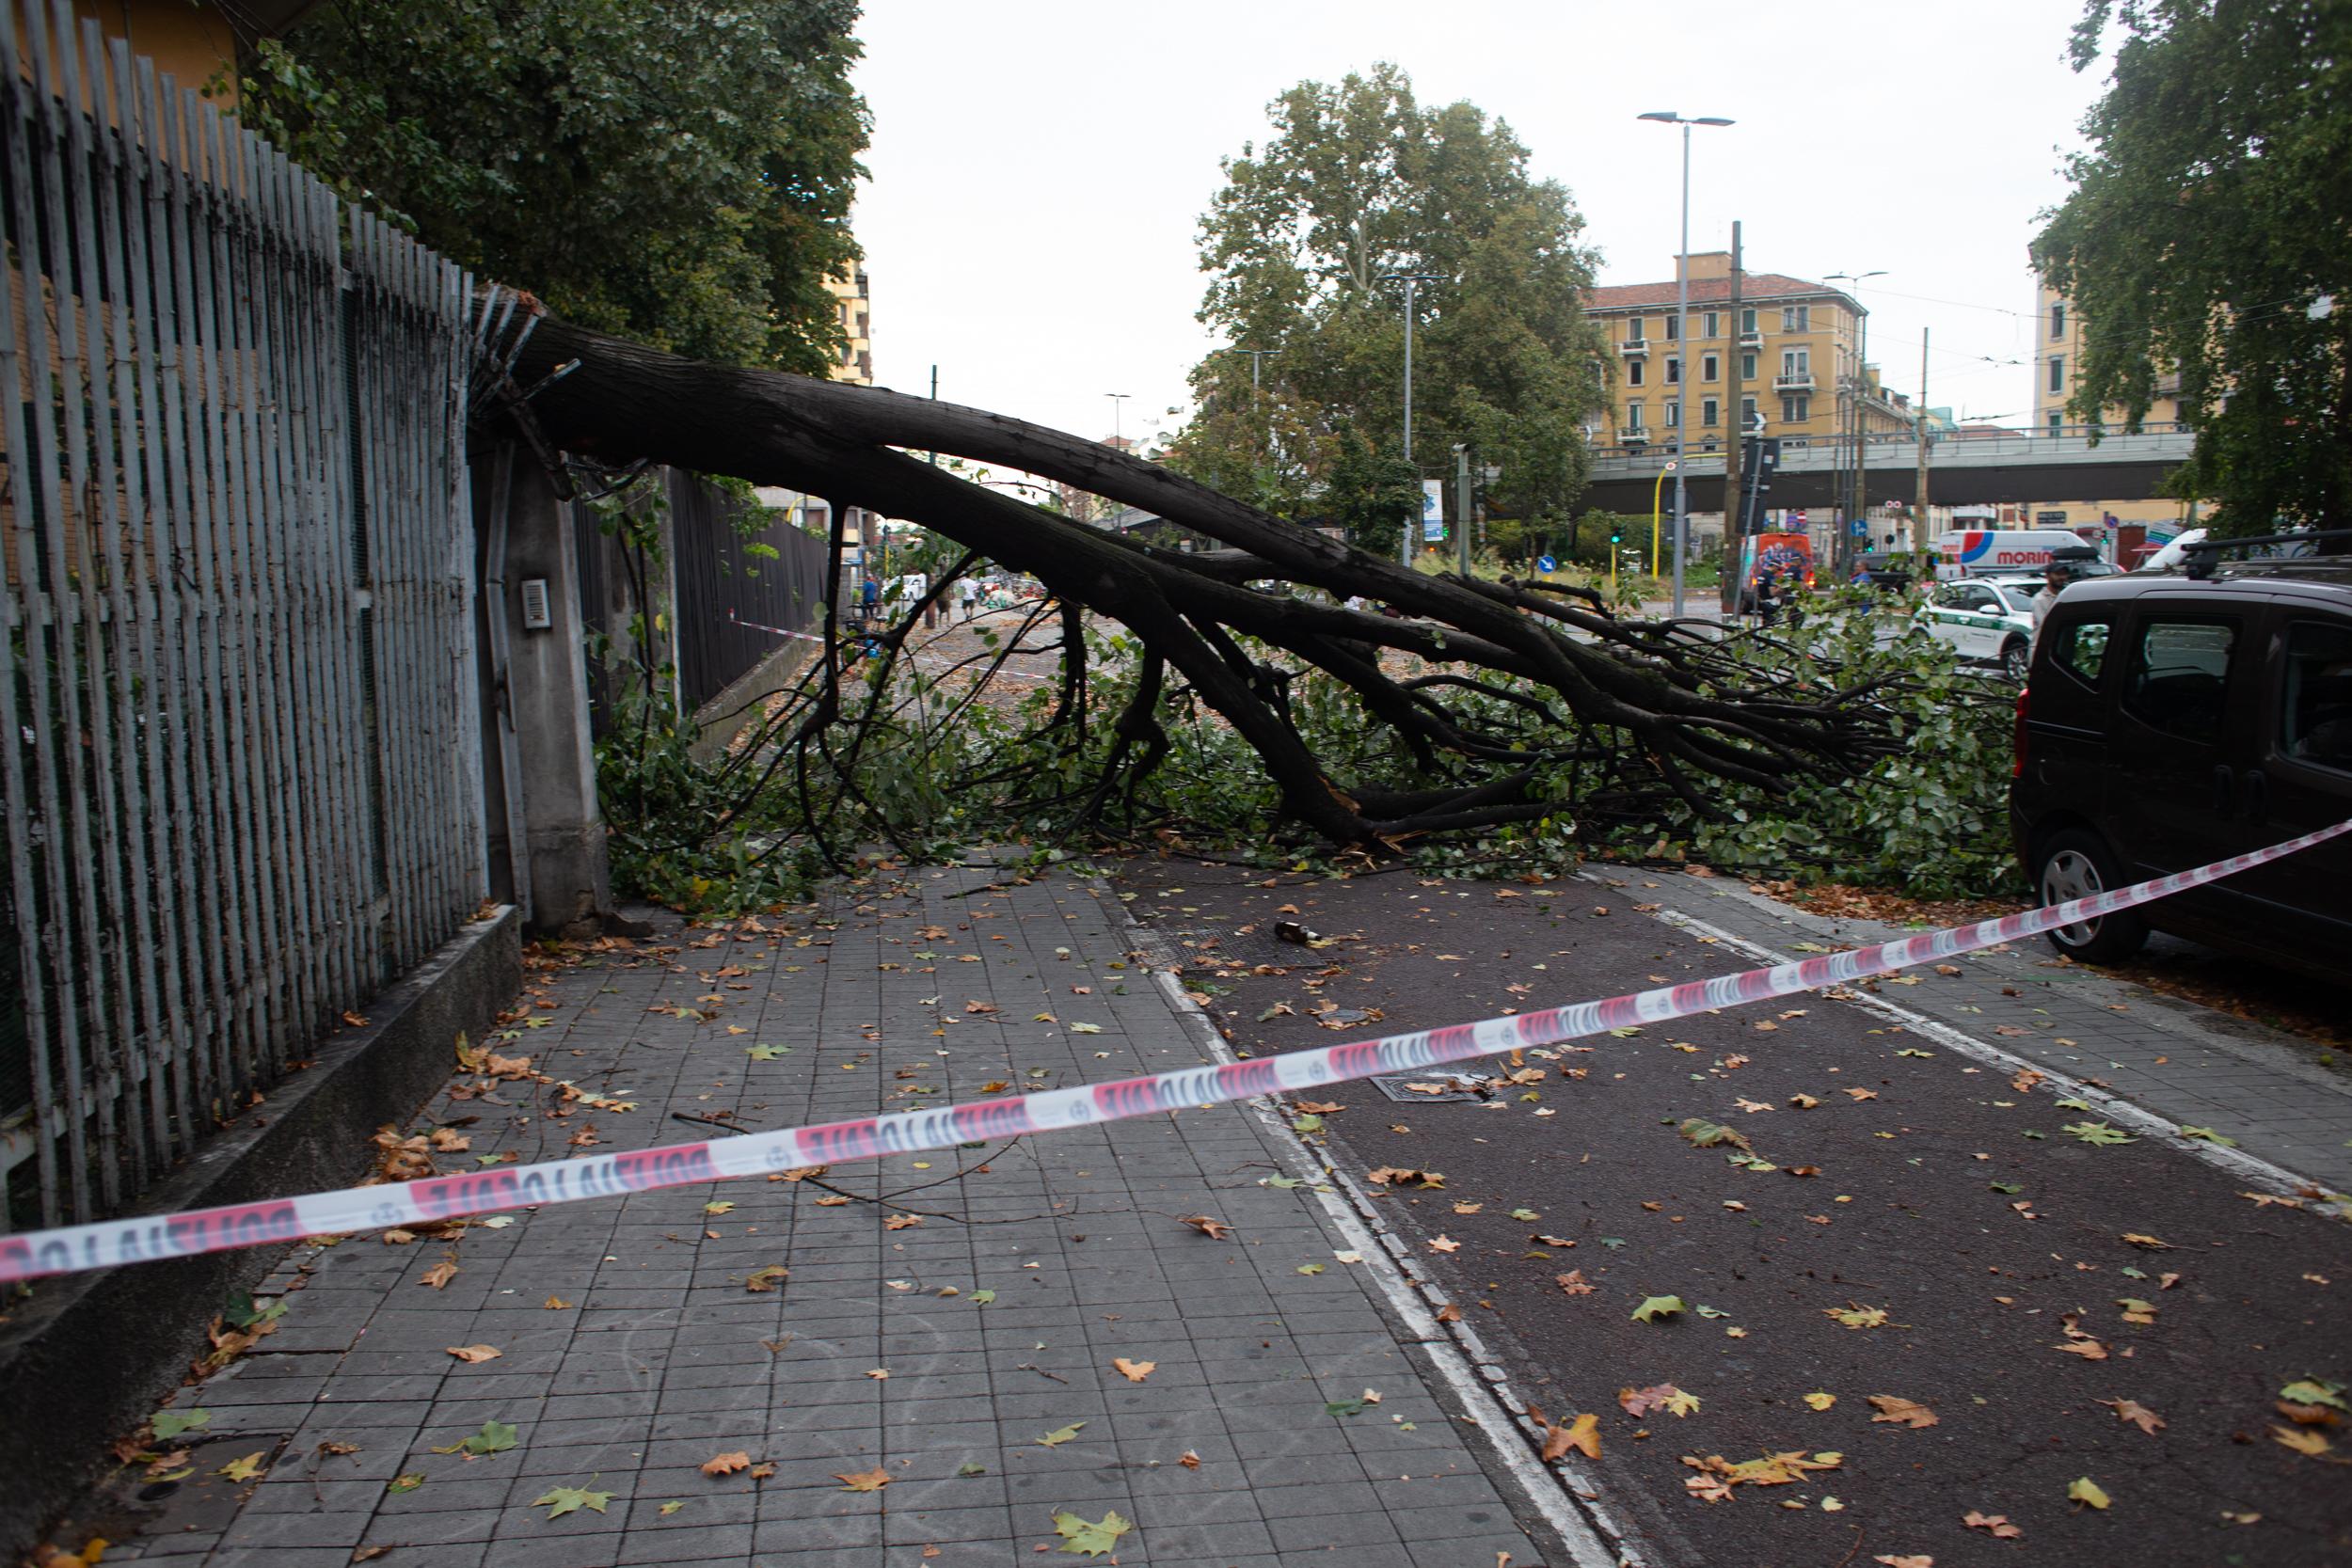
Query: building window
point(1747, 366)
point(1633, 373)
point(1673, 329)
point(1795, 408)
point(2058, 319)
point(2058, 373)
point(1796, 361)
point(1748, 415)
point(1710, 367)
point(1633, 329)
point(1796, 318)
point(1674, 413)
point(1633, 418)
point(1673, 371)
point(1747, 321)
point(2057, 422)
point(1710, 411)
point(1710, 323)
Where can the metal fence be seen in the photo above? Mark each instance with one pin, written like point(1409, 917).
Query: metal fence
point(731, 585)
point(240, 762)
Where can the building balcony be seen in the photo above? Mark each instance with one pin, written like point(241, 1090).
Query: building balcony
point(1634, 437)
point(1634, 348)
point(1751, 340)
point(1793, 381)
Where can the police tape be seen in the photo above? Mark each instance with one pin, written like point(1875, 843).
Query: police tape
point(146, 1238)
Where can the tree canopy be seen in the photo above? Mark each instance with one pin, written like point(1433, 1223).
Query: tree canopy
point(1359, 184)
point(677, 170)
point(2209, 235)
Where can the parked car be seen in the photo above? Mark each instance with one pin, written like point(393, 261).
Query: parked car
point(1984, 619)
point(2171, 721)
point(2001, 552)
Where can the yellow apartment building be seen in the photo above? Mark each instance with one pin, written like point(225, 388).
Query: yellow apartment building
point(1796, 346)
point(853, 301)
point(2058, 335)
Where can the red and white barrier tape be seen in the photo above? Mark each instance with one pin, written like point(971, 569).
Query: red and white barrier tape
point(144, 1238)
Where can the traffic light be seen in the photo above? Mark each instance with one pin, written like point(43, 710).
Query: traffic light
point(1616, 534)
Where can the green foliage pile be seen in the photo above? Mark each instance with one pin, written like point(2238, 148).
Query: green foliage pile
point(936, 772)
point(2206, 237)
point(679, 171)
point(1360, 182)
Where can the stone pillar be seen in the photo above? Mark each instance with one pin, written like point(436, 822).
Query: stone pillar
point(544, 765)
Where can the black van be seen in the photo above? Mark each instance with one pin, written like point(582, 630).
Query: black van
point(2169, 721)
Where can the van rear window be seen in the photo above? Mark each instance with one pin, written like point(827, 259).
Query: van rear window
point(2315, 718)
point(2180, 671)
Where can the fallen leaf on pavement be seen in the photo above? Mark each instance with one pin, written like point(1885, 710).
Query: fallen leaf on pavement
point(1660, 1396)
point(902, 1222)
point(2151, 1242)
point(726, 1463)
point(1189, 1460)
point(1573, 1282)
point(1059, 1435)
point(1090, 1537)
point(1655, 1307)
point(1820, 1401)
point(440, 1275)
point(2301, 1440)
point(1854, 1315)
point(767, 1278)
point(243, 1469)
point(474, 1352)
point(2088, 1491)
point(1997, 1523)
point(1216, 1230)
point(1861, 1094)
point(2136, 1414)
point(1444, 1243)
point(860, 1481)
point(1921, 1560)
point(1133, 1372)
point(560, 1500)
point(1910, 1413)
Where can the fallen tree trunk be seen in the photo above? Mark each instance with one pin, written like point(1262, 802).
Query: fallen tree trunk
point(1524, 674)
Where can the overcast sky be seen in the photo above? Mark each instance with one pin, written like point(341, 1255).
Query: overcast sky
point(1040, 166)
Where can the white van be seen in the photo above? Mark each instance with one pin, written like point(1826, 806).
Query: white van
point(1995, 552)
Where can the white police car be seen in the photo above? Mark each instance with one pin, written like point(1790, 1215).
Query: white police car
point(1984, 619)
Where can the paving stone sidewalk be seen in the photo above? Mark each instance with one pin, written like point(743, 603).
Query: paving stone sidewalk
point(632, 1348)
point(2189, 1063)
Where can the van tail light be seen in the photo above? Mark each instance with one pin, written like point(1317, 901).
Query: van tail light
point(2017, 736)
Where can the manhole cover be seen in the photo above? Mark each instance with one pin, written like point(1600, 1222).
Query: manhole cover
point(1424, 1088)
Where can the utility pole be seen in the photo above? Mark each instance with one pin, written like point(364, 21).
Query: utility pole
point(1919, 490)
point(1413, 281)
point(1734, 527)
point(1462, 508)
point(934, 399)
point(1683, 376)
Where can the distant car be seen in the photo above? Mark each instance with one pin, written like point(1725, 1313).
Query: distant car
point(1984, 619)
point(2171, 721)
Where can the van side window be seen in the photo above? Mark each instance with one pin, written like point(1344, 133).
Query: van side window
point(2180, 671)
point(2315, 718)
point(2081, 650)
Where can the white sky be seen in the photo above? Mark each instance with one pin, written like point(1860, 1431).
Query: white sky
point(1039, 166)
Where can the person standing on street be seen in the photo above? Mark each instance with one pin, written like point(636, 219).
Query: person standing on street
point(2053, 581)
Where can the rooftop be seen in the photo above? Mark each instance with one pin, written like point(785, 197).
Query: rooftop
point(1754, 288)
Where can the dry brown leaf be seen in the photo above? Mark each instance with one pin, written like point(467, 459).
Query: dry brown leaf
point(1573, 1282)
point(767, 1278)
point(1997, 1523)
point(2089, 1349)
point(474, 1352)
point(1861, 1094)
point(726, 1463)
point(440, 1275)
point(2300, 1440)
point(867, 1480)
point(2136, 1414)
point(1320, 1107)
point(1448, 1313)
point(902, 1222)
point(1189, 1460)
point(1918, 1560)
point(1910, 1413)
point(555, 1303)
point(1133, 1372)
point(1216, 1230)
point(1445, 1244)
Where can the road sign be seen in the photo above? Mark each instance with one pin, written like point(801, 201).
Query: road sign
point(1545, 564)
point(1432, 511)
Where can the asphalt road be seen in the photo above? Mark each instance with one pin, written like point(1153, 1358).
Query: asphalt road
point(1953, 1212)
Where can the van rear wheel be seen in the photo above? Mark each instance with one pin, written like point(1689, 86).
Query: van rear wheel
point(2076, 863)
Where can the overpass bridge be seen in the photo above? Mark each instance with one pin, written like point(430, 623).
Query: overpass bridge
point(1962, 470)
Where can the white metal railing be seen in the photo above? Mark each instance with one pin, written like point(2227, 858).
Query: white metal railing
point(1793, 381)
point(237, 688)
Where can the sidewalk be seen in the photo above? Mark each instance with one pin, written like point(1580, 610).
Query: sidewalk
point(2180, 1062)
point(956, 1353)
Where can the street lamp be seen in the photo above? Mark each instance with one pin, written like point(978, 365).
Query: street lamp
point(1118, 401)
point(1861, 493)
point(1413, 281)
point(1682, 337)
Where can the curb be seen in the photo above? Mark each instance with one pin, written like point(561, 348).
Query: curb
point(138, 1323)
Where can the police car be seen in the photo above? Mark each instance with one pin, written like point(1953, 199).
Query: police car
point(1985, 619)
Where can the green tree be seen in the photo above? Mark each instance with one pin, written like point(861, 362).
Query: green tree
point(676, 171)
point(1359, 182)
point(2209, 235)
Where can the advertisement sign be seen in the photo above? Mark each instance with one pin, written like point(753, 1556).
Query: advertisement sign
point(1432, 511)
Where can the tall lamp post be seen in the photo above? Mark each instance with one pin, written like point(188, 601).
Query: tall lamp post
point(1843, 554)
point(1413, 281)
point(1119, 403)
point(1682, 338)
